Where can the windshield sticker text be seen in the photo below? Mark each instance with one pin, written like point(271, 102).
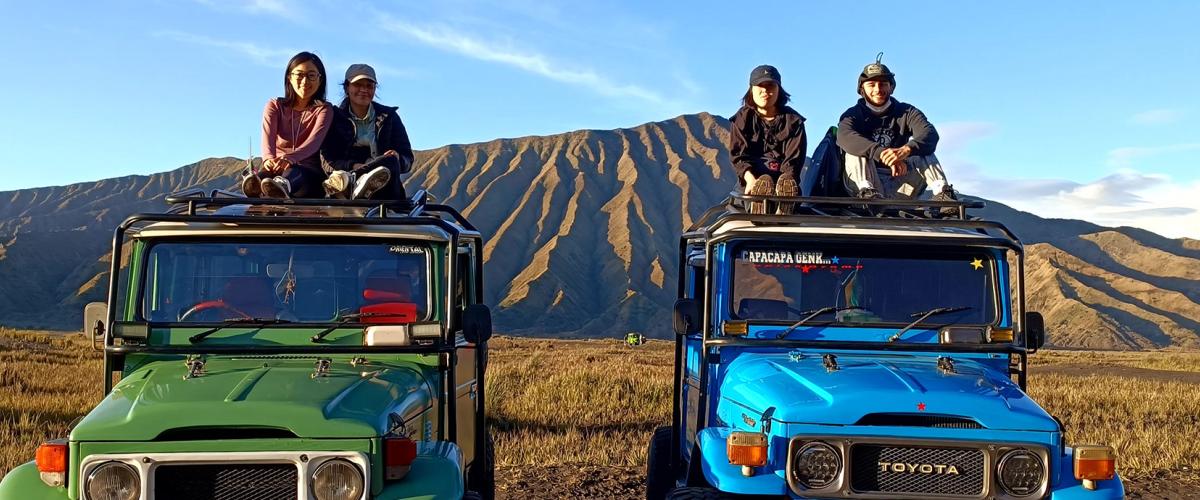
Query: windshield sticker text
point(406, 249)
point(786, 257)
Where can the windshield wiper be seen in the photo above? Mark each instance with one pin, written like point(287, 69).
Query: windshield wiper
point(810, 314)
point(342, 320)
point(236, 321)
point(923, 315)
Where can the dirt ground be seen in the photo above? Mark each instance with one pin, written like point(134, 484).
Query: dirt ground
point(589, 481)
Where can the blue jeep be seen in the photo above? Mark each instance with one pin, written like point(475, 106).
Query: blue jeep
point(858, 349)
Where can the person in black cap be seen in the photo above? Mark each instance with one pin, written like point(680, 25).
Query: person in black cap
point(367, 148)
point(767, 143)
point(889, 144)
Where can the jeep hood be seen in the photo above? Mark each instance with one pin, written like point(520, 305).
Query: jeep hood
point(276, 393)
point(802, 390)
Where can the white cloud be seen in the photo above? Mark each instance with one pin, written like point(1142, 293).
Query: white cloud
point(1153, 201)
point(265, 56)
point(275, 8)
point(1157, 117)
point(448, 39)
point(1125, 157)
point(955, 136)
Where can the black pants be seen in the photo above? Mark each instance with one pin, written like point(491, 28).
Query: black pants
point(306, 182)
point(394, 190)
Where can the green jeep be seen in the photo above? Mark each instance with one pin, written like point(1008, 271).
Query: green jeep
point(283, 349)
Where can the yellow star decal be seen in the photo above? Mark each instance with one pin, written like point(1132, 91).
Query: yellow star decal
point(977, 264)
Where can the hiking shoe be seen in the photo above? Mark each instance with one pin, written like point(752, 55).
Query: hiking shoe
point(371, 182)
point(762, 186)
point(276, 187)
point(339, 184)
point(786, 186)
point(947, 194)
point(251, 185)
point(869, 194)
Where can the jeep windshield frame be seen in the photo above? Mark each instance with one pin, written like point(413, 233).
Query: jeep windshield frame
point(725, 223)
point(308, 259)
point(222, 210)
point(809, 276)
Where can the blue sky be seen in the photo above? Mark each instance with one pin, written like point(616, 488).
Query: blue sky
point(1067, 109)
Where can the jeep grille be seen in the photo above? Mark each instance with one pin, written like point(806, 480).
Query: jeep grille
point(226, 481)
point(868, 476)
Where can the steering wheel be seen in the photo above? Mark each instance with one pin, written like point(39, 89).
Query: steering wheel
point(211, 304)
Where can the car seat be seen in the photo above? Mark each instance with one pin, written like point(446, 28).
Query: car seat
point(387, 298)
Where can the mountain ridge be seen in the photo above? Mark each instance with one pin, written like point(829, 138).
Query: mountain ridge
point(582, 229)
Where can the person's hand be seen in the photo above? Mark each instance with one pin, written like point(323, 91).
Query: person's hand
point(894, 158)
point(268, 164)
point(391, 152)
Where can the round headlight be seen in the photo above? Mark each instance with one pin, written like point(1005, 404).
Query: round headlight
point(337, 480)
point(113, 481)
point(1021, 472)
point(816, 465)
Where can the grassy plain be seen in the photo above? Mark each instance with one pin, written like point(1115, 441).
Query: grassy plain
point(595, 402)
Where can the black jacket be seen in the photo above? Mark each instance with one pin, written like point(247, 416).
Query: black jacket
point(339, 152)
point(861, 132)
point(754, 143)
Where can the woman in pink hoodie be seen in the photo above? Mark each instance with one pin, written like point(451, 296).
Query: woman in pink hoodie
point(293, 128)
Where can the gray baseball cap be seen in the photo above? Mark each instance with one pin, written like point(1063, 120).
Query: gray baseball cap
point(357, 72)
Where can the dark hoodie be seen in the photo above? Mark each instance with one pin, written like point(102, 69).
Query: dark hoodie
point(755, 144)
point(339, 150)
point(861, 132)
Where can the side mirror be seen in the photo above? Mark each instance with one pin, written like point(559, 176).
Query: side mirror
point(94, 316)
point(477, 323)
point(687, 317)
point(1035, 330)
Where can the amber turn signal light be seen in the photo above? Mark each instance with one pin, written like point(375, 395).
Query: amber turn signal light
point(52, 456)
point(747, 449)
point(1095, 462)
point(735, 328)
point(51, 459)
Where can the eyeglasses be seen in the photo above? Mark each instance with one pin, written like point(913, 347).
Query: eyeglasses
point(312, 75)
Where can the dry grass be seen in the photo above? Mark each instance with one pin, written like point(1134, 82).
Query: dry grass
point(556, 402)
point(48, 381)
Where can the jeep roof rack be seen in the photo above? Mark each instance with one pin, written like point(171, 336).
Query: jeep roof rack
point(196, 202)
point(822, 211)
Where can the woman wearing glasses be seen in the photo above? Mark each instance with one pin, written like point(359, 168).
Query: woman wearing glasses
point(367, 148)
point(293, 128)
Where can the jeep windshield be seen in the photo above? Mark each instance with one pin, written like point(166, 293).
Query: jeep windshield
point(312, 281)
point(880, 285)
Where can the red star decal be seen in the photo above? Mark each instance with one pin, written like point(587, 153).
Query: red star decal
point(920, 406)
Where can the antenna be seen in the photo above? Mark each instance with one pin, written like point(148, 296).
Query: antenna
point(250, 157)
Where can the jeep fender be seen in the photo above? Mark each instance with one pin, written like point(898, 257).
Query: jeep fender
point(436, 473)
point(24, 483)
point(728, 478)
point(1070, 488)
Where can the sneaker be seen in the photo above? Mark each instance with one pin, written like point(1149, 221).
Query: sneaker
point(251, 186)
point(869, 194)
point(276, 187)
point(338, 184)
point(371, 182)
point(786, 186)
point(947, 194)
point(762, 186)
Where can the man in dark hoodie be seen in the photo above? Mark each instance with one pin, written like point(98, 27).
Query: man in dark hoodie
point(889, 144)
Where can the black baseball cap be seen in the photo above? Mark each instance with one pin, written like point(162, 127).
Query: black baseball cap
point(765, 73)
